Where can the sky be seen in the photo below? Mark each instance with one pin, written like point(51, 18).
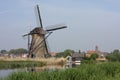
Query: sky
point(89, 23)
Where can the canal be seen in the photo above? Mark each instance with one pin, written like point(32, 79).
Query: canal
point(6, 72)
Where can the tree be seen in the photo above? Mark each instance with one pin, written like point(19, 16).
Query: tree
point(60, 54)
point(18, 51)
point(12, 51)
point(21, 50)
point(3, 51)
point(66, 53)
point(116, 51)
point(94, 56)
point(114, 56)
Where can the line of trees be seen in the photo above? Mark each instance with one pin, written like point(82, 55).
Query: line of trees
point(14, 51)
point(65, 53)
point(114, 56)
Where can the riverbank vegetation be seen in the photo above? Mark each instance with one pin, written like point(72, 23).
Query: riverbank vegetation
point(103, 71)
point(9, 63)
point(20, 64)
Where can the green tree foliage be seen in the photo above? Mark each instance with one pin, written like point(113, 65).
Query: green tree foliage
point(65, 53)
point(114, 56)
point(3, 51)
point(18, 51)
point(60, 54)
point(94, 56)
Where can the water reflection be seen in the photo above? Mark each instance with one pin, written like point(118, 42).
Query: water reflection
point(6, 72)
point(52, 67)
point(71, 63)
point(45, 68)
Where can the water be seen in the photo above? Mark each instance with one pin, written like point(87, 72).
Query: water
point(5, 72)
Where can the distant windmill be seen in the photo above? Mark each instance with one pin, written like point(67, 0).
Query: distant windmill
point(37, 45)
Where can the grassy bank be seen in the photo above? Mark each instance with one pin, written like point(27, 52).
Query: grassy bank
point(20, 64)
point(48, 61)
point(104, 71)
point(28, 62)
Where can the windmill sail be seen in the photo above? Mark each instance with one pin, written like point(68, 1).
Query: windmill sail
point(56, 27)
point(38, 16)
point(38, 46)
point(40, 20)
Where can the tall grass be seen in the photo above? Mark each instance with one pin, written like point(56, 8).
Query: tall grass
point(20, 64)
point(104, 71)
point(48, 61)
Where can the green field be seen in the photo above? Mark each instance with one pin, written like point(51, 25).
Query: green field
point(102, 71)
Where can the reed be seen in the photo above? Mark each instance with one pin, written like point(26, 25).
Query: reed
point(104, 71)
point(28, 62)
point(48, 61)
point(20, 64)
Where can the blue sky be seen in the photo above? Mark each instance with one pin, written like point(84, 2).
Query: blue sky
point(90, 23)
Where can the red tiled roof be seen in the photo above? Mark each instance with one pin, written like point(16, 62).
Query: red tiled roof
point(91, 51)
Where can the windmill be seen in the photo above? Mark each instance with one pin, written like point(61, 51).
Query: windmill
point(37, 45)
